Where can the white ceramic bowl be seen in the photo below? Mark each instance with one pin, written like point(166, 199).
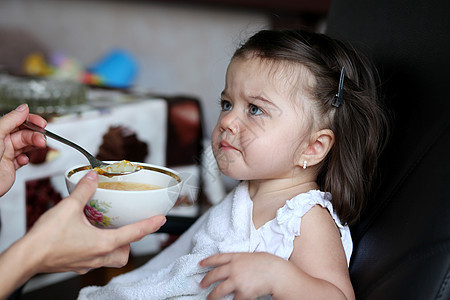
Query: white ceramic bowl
point(114, 208)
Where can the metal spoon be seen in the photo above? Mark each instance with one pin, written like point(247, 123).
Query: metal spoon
point(94, 162)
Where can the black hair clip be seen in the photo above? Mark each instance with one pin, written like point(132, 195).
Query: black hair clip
point(338, 98)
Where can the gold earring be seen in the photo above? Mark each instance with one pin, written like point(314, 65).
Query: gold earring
point(304, 164)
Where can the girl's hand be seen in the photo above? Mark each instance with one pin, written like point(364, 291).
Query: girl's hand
point(247, 275)
point(14, 142)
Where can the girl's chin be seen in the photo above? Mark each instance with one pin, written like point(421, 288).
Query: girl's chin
point(234, 173)
point(228, 171)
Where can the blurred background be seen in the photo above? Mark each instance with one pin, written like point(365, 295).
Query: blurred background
point(179, 46)
point(165, 60)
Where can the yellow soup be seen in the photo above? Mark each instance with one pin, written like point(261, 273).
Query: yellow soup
point(127, 186)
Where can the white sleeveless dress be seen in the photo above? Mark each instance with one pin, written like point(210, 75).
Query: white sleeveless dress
point(226, 227)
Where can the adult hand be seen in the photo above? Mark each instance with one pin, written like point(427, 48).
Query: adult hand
point(14, 142)
point(68, 242)
point(63, 240)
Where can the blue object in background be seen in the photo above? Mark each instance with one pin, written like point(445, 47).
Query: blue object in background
point(117, 69)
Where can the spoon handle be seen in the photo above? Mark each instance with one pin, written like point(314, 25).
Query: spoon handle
point(92, 160)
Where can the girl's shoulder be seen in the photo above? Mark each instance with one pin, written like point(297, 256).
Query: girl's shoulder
point(289, 216)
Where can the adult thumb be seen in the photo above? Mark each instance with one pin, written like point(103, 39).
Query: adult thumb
point(85, 188)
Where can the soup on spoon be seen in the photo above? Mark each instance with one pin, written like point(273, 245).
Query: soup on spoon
point(120, 167)
point(123, 166)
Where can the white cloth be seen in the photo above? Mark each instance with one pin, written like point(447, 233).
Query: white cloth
point(227, 227)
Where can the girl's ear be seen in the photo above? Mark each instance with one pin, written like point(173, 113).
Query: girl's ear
point(317, 150)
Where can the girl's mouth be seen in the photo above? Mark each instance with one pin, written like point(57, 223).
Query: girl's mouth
point(224, 145)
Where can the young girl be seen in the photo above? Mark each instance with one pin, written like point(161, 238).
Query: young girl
point(301, 127)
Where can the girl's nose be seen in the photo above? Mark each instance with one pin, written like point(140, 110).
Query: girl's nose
point(230, 122)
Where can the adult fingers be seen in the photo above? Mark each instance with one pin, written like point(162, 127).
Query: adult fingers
point(82, 271)
point(21, 160)
point(117, 258)
point(38, 120)
point(27, 138)
point(85, 188)
point(12, 120)
point(34, 138)
point(136, 231)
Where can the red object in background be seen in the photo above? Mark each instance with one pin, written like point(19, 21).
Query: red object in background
point(37, 156)
point(120, 142)
point(40, 196)
point(184, 131)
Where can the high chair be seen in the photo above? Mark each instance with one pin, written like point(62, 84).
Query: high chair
point(402, 242)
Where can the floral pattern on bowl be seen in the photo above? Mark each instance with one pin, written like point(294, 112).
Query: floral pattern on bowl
point(96, 212)
point(115, 208)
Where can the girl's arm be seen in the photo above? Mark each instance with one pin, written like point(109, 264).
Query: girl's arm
point(317, 267)
point(319, 259)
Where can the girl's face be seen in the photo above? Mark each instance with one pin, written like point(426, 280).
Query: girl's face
point(260, 133)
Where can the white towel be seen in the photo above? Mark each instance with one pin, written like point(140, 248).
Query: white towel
point(175, 273)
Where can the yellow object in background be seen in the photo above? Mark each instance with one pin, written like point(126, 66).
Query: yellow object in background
point(35, 65)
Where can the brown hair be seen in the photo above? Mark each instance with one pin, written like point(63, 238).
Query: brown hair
point(359, 125)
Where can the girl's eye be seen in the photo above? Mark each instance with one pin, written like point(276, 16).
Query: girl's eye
point(226, 105)
point(255, 110)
